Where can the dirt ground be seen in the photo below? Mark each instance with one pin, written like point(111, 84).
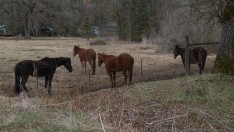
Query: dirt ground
point(157, 65)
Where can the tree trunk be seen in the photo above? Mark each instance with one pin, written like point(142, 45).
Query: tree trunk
point(26, 26)
point(224, 62)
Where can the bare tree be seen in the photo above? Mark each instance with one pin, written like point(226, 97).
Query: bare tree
point(29, 15)
point(120, 14)
point(223, 11)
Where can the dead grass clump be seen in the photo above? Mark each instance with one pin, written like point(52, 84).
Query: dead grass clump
point(195, 90)
point(112, 107)
point(143, 48)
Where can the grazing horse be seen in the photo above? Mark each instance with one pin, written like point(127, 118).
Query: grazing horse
point(124, 62)
point(196, 56)
point(86, 55)
point(45, 67)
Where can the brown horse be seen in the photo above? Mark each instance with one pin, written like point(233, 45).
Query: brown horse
point(124, 62)
point(196, 56)
point(86, 55)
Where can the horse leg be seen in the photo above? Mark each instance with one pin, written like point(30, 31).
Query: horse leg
point(85, 65)
point(46, 81)
point(125, 77)
point(203, 62)
point(200, 67)
point(18, 87)
point(82, 64)
point(23, 82)
point(114, 75)
point(183, 63)
point(92, 66)
point(130, 76)
point(50, 81)
point(111, 79)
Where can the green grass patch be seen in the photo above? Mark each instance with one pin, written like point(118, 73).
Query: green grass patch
point(210, 92)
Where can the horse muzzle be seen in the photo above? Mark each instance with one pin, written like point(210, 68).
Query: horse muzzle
point(70, 70)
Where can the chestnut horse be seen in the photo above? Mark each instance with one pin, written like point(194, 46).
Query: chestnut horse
point(196, 56)
point(86, 55)
point(124, 62)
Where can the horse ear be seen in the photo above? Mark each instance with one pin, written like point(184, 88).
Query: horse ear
point(68, 59)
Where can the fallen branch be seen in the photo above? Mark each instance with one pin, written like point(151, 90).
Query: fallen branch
point(102, 123)
point(163, 120)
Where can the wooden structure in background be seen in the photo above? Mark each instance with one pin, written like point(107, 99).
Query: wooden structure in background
point(187, 45)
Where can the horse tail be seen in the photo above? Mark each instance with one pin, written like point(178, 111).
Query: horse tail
point(131, 64)
point(17, 80)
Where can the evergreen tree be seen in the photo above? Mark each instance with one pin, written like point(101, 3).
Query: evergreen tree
point(86, 28)
point(139, 19)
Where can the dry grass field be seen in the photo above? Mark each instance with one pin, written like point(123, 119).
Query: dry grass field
point(165, 99)
point(156, 66)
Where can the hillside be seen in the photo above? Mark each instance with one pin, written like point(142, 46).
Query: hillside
point(195, 103)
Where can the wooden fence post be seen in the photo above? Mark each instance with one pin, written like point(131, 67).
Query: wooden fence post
point(187, 66)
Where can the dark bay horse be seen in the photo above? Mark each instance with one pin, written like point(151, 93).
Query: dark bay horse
point(124, 62)
point(45, 67)
point(196, 56)
point(86, 55)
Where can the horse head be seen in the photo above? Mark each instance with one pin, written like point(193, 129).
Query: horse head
point(76, 50)
point(68, 65)
point(177, 51)
point(101, 58)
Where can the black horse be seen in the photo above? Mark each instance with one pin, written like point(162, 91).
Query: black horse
point(45, 67)
point(196, 56)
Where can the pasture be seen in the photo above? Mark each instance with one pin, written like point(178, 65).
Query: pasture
point(156, 66)
point(162, 93)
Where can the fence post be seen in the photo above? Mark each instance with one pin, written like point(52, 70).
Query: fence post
point(187, 66)
point(89, 76)
point(141, 69)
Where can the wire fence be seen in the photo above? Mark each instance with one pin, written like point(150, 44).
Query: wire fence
point(172, 123)
point(205, 122)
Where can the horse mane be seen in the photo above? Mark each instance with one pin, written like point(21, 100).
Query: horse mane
point(49, 59)
point(79, 48)
point(45, 58)
point(111, 56)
